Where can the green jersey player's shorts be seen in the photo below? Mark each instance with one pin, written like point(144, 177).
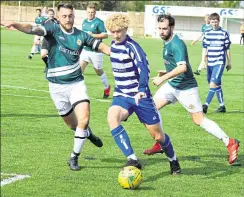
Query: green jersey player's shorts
point(67, 96)
point(95, 58)
point(189, 98)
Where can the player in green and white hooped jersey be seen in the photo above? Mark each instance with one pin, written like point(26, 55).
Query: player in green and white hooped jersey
point(66, 84)
point(36, 48)
point(204, 27)
point(95, 27)
point(182, 86)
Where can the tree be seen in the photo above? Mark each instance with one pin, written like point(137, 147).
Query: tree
point(230, 4)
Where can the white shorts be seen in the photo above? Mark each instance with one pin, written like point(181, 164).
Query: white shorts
point(95, 58)
point(190, 98)
point(37, 39)
point(66, 96)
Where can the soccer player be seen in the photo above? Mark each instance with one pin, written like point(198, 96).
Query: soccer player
point(66, 82)
point(242, 33)
point(182, 87)
point(204, 28)
point(37, 39)
point(216, 45)
point(95, 27)
point(132, 93)
point(45, 44)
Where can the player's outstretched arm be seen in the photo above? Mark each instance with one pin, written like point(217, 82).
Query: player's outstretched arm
point(104, 49)
point(26, 28)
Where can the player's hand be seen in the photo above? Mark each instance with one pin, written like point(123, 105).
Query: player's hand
point(139, 96)
point(228, 67)
point(7, 24)
point(161, 73)
point(158, 80)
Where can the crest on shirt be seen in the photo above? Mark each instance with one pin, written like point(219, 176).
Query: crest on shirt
point(191, 106)
point(78, 42)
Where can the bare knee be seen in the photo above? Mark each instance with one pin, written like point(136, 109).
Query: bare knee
point(197, 118)
point(99, 71)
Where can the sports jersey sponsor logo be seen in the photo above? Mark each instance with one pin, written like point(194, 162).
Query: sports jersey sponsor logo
point(61, 38)
point(191, 106)
point(78, 42)
point(68, 51)
point(92, 25)
point(166, 62)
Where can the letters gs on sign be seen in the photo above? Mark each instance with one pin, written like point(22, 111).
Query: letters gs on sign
point(225, 12)
point(160, 9)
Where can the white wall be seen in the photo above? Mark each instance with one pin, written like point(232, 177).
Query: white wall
point(190, 19)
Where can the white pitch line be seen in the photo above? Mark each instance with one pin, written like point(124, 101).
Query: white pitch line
point(15, 177)
point(24, 96)
point(31, 89)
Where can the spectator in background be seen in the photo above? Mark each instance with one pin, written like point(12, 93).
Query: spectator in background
point(242, 33)
point(44, 12)
point(204, 27)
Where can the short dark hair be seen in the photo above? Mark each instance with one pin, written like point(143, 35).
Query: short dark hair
point(50, 10)
point(65, 5)
point(38, 9)
point(214, 16)
point(168, 17)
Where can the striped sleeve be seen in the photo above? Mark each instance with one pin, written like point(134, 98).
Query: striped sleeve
point(139, 59)
point(227, 41)
point(204, 41)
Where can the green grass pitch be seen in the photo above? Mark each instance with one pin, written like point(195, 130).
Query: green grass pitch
point(36, 142)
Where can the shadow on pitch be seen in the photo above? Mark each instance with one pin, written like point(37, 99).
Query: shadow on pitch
point(29, 115)
point(211, 169)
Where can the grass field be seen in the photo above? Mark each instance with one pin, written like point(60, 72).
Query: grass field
point(36, 142)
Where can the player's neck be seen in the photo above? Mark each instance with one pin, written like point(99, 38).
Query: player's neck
point(89, 20)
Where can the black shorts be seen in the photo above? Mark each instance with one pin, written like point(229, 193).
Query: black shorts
point(242, 35)
point(45, 44)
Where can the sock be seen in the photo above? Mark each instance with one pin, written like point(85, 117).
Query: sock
point(122, 140)
point(104, 80)
point(79, 140)
point(132, 156)
point(210, 95)
point(199, 68)
point(168, 148)
point(33, 49)
point(214, 129)
point(219, 94)
point(45, 60)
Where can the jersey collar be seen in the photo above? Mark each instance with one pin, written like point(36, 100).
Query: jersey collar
point(63, 30)
point(170, 39)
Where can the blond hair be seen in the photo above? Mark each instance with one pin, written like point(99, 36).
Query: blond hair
point(117, 22)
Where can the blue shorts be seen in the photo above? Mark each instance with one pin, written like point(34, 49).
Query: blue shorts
point(214, 74)
point(146, 111)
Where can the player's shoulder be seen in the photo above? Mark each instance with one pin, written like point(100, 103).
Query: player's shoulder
point(98, 20)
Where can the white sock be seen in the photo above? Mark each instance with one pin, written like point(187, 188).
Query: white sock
point(33, 49)
point(79, 140)
point(214, 129)
point(132, 156)
point(173, 158)
point(104, 80)
point(199, 67)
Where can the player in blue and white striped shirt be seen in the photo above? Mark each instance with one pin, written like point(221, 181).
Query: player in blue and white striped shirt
point(132, 93)
point(216, 45)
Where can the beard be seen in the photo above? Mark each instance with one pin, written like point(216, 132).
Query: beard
point(67, 27)
point(166, 37)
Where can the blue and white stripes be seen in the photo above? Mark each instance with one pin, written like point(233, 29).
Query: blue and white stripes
point(130, 68)
point(217, 42)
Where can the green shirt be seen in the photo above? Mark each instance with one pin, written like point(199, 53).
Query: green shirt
point(96, 26)
point(175, 52)
point(40, 19)
point(64, 53)
point(205, 27)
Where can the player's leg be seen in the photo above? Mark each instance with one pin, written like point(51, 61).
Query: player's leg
point(212, 89)
point(200, 67)
point(148, 114)
point(97, 62)
point(216, 80)
point(34, 46)
point(119, 111)
point(161, 98)
point(190, 99)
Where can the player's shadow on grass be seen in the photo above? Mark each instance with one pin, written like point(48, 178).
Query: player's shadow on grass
point(29, 115)
point(210, 170)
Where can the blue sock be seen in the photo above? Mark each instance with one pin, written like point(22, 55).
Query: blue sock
point(167, 147)
point(39, 48)
point(122, 140)
point(219, 94)
point(210, 96)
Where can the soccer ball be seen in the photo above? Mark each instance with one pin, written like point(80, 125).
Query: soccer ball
point(130, 177)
